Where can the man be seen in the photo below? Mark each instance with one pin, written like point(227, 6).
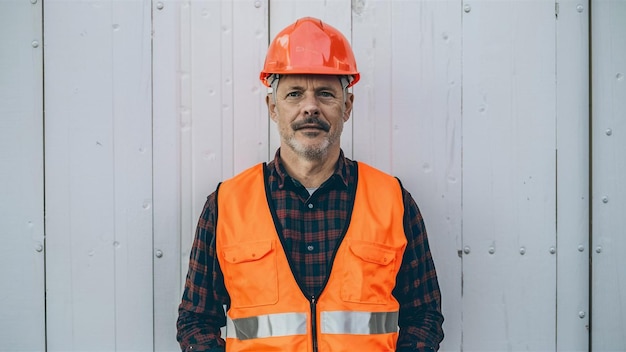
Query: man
point(311, 251)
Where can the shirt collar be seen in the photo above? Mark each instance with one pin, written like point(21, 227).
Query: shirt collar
point(342, 170)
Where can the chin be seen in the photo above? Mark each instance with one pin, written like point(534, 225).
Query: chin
point(308, 149)
point(311, 152)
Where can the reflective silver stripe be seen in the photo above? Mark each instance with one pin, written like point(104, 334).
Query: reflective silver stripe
point(271, 325)
point(359, 323)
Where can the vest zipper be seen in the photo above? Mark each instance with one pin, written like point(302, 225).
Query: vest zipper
point(314, 322)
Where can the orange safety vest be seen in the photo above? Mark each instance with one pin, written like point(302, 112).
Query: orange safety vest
point(356, 310)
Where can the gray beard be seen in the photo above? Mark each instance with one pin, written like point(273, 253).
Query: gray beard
point(309, 153)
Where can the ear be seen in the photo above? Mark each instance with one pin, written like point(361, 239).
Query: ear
point(271, 106)
point(348, 107)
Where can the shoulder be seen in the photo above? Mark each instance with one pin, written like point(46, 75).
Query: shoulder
point(246, 177)
point(238, 190)
point(250, 172)
point(367, 172)
point(370, 174)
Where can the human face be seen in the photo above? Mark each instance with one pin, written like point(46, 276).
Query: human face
point(310, 111)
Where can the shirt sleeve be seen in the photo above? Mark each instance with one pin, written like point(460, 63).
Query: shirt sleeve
point(201, 312)
point(417, 287)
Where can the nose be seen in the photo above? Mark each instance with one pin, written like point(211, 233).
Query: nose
point(310, 106)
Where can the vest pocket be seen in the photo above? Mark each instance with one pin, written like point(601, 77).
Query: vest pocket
point(250, 274)
point(371, 273)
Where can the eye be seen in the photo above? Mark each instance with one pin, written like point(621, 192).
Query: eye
point(326, 94)
point(293, 94)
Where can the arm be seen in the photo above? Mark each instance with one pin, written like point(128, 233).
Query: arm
point(417, 288)
point(201, 313)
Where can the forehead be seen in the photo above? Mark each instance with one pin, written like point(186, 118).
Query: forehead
point(304, 81)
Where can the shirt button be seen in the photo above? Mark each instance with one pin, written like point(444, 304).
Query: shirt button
point(310, 248)
point(310, 206)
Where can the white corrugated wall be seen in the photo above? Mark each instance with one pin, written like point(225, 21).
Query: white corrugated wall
point(22, 270)
point(608, 195)
point(118, 118)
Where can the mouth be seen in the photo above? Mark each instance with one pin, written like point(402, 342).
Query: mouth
point(311, 127)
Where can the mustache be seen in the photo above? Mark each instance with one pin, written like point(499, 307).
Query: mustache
point(312, 120)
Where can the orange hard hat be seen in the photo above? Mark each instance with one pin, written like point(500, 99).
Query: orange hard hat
point(310, 46)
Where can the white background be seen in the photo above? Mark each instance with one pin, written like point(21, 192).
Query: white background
point(505, 120)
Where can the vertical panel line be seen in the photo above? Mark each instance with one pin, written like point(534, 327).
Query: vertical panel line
point(460, 250)
point(556, 173)
point(590, 169)
point(43, 131)
point(114, 159)
point(154, 308)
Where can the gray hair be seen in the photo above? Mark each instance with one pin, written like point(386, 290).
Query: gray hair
point(274, 78)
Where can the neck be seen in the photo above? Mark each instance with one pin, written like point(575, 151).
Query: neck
point(310, 173)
